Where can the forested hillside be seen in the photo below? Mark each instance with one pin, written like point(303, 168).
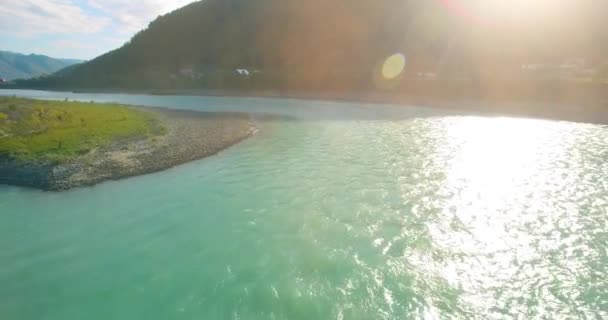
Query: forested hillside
point(331, 44)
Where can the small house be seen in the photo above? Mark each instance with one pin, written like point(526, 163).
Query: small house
point(242, 72)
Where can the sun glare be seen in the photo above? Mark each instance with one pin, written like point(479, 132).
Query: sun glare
point(498, 166)
point(502, 11)
point(495, 155)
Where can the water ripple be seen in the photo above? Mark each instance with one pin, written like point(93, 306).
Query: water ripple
point(413, 218)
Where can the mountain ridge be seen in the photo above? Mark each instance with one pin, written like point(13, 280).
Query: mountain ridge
point(14, 65)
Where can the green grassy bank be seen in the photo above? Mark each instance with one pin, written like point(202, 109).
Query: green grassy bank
point(57, 131)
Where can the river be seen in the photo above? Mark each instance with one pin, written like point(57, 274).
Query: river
point(345, 211)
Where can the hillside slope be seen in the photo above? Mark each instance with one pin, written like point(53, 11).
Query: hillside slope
point(329, 44)
point(19, 66)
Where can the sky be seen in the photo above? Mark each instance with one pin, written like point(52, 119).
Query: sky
point(78, 29)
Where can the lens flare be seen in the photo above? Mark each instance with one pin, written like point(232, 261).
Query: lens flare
point(393, 66)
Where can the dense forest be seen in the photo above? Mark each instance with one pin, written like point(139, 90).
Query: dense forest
point(332, 45)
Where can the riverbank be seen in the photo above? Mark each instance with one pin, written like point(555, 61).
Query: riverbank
point(187, 136)
point(574, 107)
point(576, 102)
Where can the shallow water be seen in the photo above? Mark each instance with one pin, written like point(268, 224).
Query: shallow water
point(352, 211)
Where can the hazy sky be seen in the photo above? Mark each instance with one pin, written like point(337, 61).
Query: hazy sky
point(80, 29)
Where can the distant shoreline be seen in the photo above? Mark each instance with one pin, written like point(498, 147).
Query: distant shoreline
point(190, 135)
point(579, 106)
point(587, 109)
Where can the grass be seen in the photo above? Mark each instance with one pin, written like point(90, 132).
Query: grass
point(58, 131)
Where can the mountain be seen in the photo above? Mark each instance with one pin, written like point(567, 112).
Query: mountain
point(19, 66)
point(332, 44)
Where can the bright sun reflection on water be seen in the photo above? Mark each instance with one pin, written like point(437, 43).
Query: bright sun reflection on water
point(493, 163)
point(493, 157)
point(508, 181)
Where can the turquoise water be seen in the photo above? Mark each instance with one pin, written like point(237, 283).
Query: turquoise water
point(350, 211)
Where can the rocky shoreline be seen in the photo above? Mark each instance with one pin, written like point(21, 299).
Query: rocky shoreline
point(189, 135)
